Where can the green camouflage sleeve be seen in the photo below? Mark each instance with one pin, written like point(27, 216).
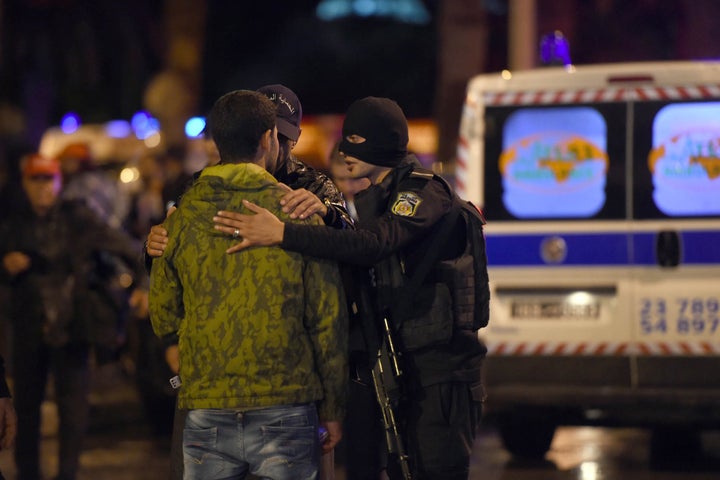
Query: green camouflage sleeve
point(327, 323)
point(165, 297)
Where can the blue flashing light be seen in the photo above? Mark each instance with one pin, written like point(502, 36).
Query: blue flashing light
point(140, 120)
point(152, 128)
point(555, 49)
point(118, 128)
point(195, 127)
point(69, 122)
point(144, 125)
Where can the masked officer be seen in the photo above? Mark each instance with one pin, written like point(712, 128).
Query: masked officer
point(400, 227)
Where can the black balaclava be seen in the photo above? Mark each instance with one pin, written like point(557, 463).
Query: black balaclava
point(382, 123)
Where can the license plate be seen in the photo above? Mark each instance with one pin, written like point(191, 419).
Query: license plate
point(555, 310)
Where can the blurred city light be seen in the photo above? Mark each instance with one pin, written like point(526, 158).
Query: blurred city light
point(153, 139)
point(144, 125)
point(139, 120)
point(129, 174)
point(589, 471)
point(118, 128)
point(195, 127)
point(70, 122)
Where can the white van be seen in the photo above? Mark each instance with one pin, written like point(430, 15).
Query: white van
point(601, 187)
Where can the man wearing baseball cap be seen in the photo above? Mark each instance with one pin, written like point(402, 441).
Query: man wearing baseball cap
point(47, 248)
point(400, 223)
point(313, 191)
point(289, 109)
point(40, 166)
point(41, 181)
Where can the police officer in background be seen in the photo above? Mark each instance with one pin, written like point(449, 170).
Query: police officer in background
point(400, 226)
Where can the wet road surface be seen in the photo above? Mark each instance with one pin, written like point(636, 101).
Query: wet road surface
point(597, 454)
point(121, 445)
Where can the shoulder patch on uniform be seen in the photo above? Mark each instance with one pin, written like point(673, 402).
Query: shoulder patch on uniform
point(424, 174)
point(406, 204)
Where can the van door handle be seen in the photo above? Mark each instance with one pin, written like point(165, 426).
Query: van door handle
point(667, 248)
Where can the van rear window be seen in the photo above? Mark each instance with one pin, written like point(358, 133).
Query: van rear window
point(555, 162)
point(566, 162)
point(677, 152)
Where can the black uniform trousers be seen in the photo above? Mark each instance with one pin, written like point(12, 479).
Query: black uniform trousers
point(437, 422)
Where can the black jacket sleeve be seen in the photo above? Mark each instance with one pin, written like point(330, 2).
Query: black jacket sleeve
point(295, 174)
point(379, 237)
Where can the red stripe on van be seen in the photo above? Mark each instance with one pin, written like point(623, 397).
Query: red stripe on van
point(600, 95)
point(603, 348)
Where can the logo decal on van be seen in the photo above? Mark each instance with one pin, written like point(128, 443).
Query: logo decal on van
point(685, 159)
point(553, 162)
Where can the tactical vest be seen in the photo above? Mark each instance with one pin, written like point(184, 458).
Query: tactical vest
point(447, 294)
point(467, 275)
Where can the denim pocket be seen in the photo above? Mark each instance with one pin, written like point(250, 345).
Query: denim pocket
point(197, 442)
point(293, 444)
point(200, 456)
point(200, 434)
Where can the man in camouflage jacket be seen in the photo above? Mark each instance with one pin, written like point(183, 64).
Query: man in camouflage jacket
point(260, 333)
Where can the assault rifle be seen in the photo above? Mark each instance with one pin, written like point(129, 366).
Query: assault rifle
point(387, 377)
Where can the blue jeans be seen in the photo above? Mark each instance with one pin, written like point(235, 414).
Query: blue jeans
point(279, 443)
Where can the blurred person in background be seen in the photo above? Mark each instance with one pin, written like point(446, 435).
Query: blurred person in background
point(147, 205)
point(8, 417)
point(177, 179)
point(10, 189)
point(47, 246)
point(99, 188)
point(84, 180)
point(145, 352)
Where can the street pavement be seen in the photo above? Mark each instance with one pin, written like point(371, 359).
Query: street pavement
point(121, 444)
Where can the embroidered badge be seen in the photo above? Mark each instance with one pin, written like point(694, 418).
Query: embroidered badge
point(406, 204)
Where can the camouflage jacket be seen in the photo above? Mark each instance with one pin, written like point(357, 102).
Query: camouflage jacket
point(258, 328)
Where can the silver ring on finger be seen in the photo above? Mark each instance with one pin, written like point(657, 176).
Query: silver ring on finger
point(236, 233)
